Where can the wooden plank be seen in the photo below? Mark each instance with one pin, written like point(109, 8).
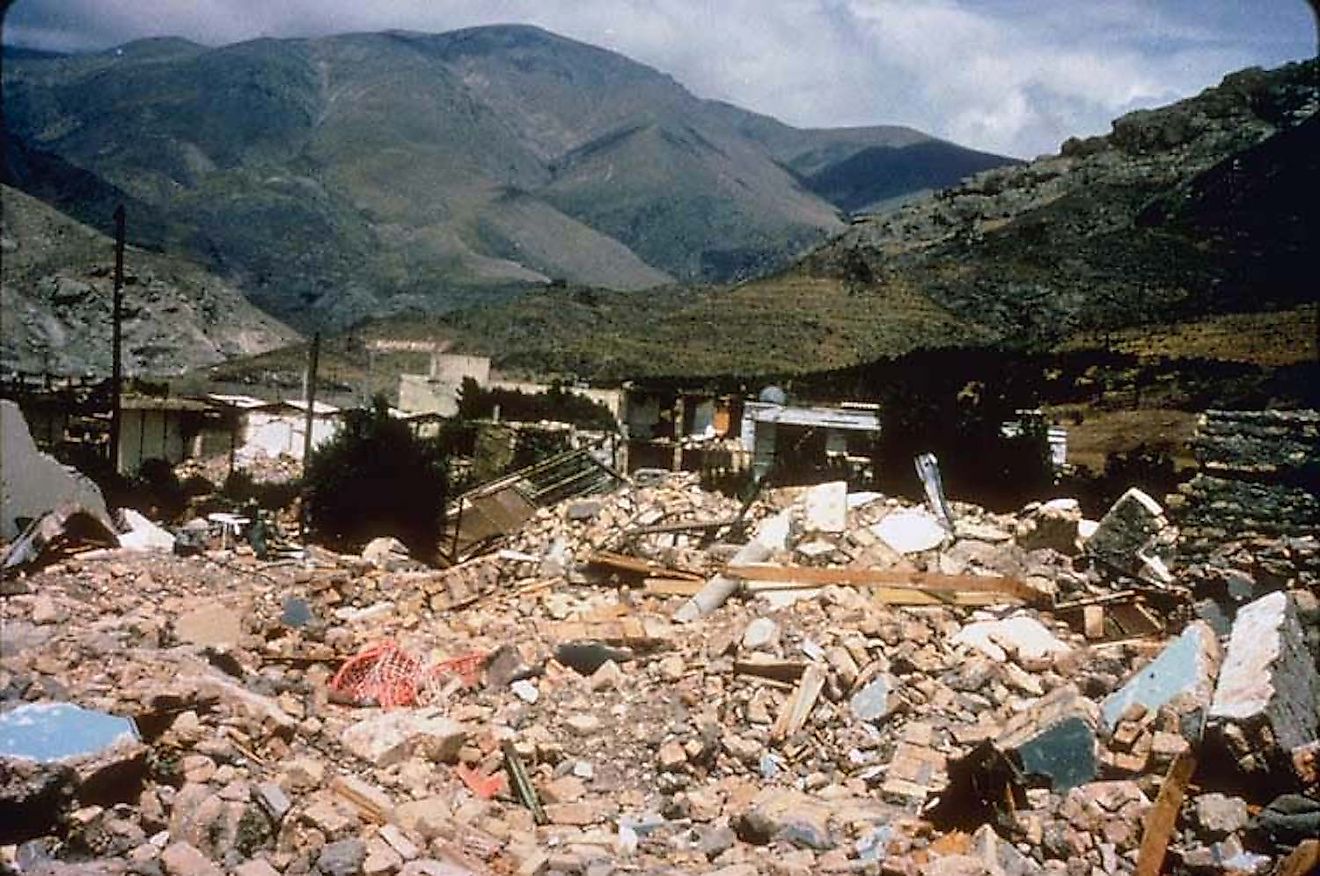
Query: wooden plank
point(889, 578)
point(640, 566)
point(1162, 817)
point(893, 595)
point(1305, 859)
point(691, 526)
point(672, 586)
point(775, 670)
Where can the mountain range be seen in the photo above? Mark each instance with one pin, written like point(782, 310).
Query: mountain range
point(1181, 214)
point(344, 178)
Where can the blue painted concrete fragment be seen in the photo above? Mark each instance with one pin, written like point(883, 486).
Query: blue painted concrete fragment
point(1181, 668)
point(46, 732)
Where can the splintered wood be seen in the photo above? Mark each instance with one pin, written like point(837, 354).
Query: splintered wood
point(799, 706)
point(891, 586)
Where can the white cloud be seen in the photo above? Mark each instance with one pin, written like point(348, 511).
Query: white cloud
point(1015, 76)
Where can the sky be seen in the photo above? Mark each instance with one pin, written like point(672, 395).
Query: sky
point(1015, 77)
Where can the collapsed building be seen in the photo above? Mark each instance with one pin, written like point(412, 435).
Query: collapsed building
point(639, 675)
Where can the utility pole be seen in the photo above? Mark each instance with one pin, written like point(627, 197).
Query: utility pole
point(116, 367)
point(310, 396)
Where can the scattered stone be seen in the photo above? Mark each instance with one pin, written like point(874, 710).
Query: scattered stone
point(1218, 815)
point(872, 702)
point(1051, 525)
point(911, 530)
point(396, 736)
point(213, 625)
point(182, 859)
point(761, 634)
point(1026, 638)
point(342, 858)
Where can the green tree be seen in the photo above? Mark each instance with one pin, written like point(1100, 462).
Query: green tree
point(376, 478)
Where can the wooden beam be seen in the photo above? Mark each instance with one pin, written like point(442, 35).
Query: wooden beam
point(1304, 859)
point(804, 577)
point(1162, 817)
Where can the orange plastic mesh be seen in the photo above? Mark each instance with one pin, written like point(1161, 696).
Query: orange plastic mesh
point(386, 674)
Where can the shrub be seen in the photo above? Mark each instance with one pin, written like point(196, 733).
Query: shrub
point(376, 478)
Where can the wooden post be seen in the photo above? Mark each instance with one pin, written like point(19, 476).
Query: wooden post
point(312, 357)
point(117, 316)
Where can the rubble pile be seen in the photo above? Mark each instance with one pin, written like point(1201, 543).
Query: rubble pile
point(665, 680)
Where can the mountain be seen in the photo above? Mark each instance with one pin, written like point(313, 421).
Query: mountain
point(1182, 221)
point(352, 176)
point(56, 301)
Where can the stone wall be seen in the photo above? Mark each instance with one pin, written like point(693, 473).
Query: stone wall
point(1253, 509)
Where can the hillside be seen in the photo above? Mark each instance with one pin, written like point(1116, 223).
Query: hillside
point(363, 175)
point(56, 300)
point(1182, 224)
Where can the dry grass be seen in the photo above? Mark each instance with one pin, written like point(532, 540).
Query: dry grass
point(1283, 337)
point(1104, 432)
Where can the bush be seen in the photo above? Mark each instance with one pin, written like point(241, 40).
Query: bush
point(376, 478)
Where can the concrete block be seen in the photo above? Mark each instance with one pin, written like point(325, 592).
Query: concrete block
point(1133, 537)
point(1055, 739)
point(1268, 698)
point(1186, 668)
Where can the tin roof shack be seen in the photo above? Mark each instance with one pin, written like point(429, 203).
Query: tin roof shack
point(804, 443)
point(276, 428)
point(172, 429)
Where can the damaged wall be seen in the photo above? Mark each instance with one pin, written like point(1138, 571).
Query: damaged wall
point(32, 482)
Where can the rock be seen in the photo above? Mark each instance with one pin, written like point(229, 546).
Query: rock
point(273, 800)
point(761, 634)
point(672, 756)
point(1218, 816)
point(1055, 739)
point(143, 535)
point(1051, 525)
point(403, 847)
point(1185, 671)
point(1134, 538)
point(342, 858)
point(213, 625)
point(826, 507)
point(871, 703)
point(44, 611)
point(583, 723)
point(785, 816)
point(182, 859)
point(396, 736)
point(525, 690)
point(608, 676)
point(386, 553)
point(506, 665)
point(910, 530)
point(1267, 701)
point(255, 867)
point(715, 840)
point(1023, 636)
point(584, 509)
